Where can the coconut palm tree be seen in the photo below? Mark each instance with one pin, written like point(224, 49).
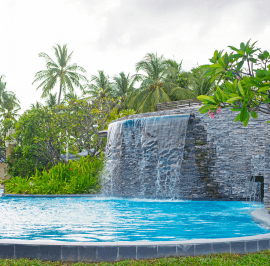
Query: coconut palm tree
point(9, 106)
point(178, 81)
point(37, 105)
point(201, 84)
point(153, 88)
point(51, 100)
point(2, 86)
point(60, 70)
point(72, 97)
point(98, 85)
point(123, 87)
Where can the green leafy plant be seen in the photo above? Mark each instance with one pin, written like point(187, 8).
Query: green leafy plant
point(114, 115)
point(244, 82)
point(76, 177)
point(42, 134)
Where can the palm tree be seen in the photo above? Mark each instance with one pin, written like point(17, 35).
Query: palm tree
point(61, 70)
point(201, 84)
point(72, 97)
point(9, 106)
point(2, 86)
point(123, 87)
point(37, 105)
point(178, 81)
point(51, 100)
point(100, 85)
point(153, 86)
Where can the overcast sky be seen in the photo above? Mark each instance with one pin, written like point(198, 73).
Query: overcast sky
point(113, 35)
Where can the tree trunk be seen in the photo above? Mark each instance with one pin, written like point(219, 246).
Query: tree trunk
point(59, 96)
point(67, 147)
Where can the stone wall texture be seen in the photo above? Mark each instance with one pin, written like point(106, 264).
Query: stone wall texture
point(221, 155)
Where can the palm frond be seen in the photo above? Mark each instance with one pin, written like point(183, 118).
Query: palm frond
point(66, 73)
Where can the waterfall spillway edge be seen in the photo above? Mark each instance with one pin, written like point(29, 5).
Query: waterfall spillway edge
point(144, 157)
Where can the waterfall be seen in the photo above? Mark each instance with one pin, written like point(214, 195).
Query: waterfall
point(253, 189)
point(144, 157)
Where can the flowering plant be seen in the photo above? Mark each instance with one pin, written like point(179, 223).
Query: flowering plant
point(212, 113)
point(243, 82)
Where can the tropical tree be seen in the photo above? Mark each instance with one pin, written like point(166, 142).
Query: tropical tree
point(2, 86)
point(72, 97)
point(60, 70)
point(153, 84)
point(244, 76)
point(123, 87)
point(9, 104)
point(51, 100)
point(42, 134)
point(37, 105)
point(178, 81)
point(201, 84)
point(98, 85)
point(9, 107)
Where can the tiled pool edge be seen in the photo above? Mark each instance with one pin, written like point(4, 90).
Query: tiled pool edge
point(113, 251)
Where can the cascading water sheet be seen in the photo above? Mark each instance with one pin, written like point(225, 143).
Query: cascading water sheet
point(144, 157)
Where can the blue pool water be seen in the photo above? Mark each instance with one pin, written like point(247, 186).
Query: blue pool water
point(111, 219)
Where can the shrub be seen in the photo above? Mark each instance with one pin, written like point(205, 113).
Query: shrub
point(42, 134)
point(76, 177)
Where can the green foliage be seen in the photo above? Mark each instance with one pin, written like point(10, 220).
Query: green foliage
point(115, 114)
point(123, 87)
point(201, 84)
point(42, 134)
point(9, 107)
point(40, 139)
point(60, 70)
point(25, 160)
point(76, 177)
point(99, 85)
point(177, 81)
point(244, 79)
point(153, 84)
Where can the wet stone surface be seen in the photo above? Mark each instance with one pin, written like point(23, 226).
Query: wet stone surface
point(216, 161)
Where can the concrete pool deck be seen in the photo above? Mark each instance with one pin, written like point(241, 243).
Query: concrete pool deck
point(115, 251)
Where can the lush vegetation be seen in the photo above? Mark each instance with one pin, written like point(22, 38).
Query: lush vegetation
point(9, 107)
point(243, 77)
point(42, 134)
point(76, 177)
point(226, 259)
point(69, 123)
point(60, 70)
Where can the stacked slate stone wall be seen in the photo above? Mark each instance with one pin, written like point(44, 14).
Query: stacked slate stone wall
point(220, 155)
point(267, 177)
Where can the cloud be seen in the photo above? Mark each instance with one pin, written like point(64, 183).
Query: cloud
point(134, 23)
point(115, 34)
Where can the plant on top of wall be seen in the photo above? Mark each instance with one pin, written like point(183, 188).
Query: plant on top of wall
point(244, 82)
point(77, 177)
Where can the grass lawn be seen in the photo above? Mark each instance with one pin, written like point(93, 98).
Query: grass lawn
point(258, 259)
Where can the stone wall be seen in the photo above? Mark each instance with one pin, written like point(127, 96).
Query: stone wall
point(220, 155)
point(267, 177)
point(3, 172)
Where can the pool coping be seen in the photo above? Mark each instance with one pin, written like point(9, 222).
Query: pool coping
point(115, 251)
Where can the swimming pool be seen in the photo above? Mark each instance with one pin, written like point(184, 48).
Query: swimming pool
point(116, 219)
